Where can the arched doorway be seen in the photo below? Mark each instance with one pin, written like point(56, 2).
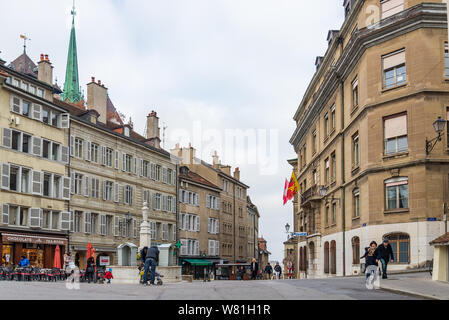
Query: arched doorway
point(355, 250)
point(333, 257)
point(312, 255)
point(326, 257)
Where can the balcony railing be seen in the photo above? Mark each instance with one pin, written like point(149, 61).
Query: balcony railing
point(309, 194)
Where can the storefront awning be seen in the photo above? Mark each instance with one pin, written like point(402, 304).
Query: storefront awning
point(198, 262)
point(26, 238)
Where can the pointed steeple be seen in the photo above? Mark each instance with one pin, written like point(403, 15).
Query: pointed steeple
point(72, 90)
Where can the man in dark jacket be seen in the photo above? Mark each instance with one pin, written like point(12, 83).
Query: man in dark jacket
point(384, 253)
point(151, 261)
point(268, 270)
point(278, 270)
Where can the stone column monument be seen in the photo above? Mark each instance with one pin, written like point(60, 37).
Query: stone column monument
point(145, 231)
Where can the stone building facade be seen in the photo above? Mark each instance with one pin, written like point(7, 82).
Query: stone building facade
point(35, 186)
point(199, 223)
point(361, 138)
point(253, 230)
point(233, 214)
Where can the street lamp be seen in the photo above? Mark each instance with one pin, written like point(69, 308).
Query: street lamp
point(128, 216)
point(438, 125)
point(287, 227)
point(323, 193)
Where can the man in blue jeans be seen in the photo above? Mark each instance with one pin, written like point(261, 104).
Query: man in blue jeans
point(151, 261)
point(384, 253)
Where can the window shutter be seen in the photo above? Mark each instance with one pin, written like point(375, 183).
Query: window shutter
point(103, 224)
point(103, 155)
point(154, 201)
point(65, 220)
point(64, 154)
point(217, 226)
point(86, 186)
point(72, 221)
point(141, 167)
point(37, 146)
point(72, 146)
point(72, 183)
point(37, 112)
point(87, 222)
point(116, 192)
point(5, 176)
point(209, 225)
point(217, 248)
point(135, 228)
point(153, 171)
point(88, 151)
point(5, 213)
point(7, 138)
point(180, 220)
point(173, 206)
point(64, 120)
point(197, 225)
point(196, 250)
point(15, 105)
point(208, 201)
point(164, 174)
point(34, 219)
point(66, 188)
point(135, 165)
point(123, 162)
point(174, 177)
point(210, 247)
point(116, 160)
point(36, 182)
point(116, 226)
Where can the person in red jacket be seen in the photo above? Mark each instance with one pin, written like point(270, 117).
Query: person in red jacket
point(108, 275)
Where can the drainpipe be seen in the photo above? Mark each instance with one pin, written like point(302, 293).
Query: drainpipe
point(177, 213)
point(343, 202)
point(70, 192)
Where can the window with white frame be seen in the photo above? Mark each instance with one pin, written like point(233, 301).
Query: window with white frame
point(355, 93)
point(108, 190)
point(128, 195)
point(394, 70)
point(78, 148)
point(95, 188)
point(212, 202)
point(356, 203)
point(395, 134)
point(213, 247)
point(157, 197)
point(213, 226)
point(396, 193)
point(355, 150)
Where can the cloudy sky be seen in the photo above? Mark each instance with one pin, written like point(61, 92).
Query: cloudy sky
point(218, 65)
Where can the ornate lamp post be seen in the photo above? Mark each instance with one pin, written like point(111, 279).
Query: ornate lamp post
point(287, 228)
point(438, 125)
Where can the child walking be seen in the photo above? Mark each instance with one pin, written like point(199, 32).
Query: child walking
point(108, 275)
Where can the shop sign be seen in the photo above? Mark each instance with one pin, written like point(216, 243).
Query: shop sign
point(104, 260)
point(32, 239)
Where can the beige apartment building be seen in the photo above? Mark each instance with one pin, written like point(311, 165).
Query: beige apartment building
point(199, 224)
point(363, 166)
point(34, 153)
point(233, 236)
point(253, 230)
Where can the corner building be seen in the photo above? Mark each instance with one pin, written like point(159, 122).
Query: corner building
point(361, 138)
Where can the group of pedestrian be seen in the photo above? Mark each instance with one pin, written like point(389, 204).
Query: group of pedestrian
point(268, 271)
point(375, 254)
point(149, 258)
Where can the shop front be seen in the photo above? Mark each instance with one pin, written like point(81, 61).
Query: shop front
point(38, 248)
point(198, 268)
point(104, 256)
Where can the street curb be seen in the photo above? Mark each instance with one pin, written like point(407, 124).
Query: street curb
point(410, 293)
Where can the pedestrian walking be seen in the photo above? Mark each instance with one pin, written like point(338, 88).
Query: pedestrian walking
point(108, 275)
point(90, 270)
point(385, 255)
point(151, 261)
point(268, 270)
point(254, 269)
point(370, 256)
point(278, 270)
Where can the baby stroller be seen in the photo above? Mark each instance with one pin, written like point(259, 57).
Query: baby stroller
point(100, 276)
point(158, 276)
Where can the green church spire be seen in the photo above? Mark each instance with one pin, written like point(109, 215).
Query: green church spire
point(72, 90)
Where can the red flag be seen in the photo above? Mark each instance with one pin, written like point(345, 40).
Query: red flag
point(285, 195)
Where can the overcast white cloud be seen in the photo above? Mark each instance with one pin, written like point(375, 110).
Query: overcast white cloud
point(225, 63)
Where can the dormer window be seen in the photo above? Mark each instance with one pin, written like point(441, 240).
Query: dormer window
point(126, 131)
point(93, 119)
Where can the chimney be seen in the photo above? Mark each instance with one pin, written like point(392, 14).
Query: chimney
point(215, 160)
point(186, 154)
point(226, 169)
point(97, 99)
point(153, 130)
point(237, 174)
point(45, 70)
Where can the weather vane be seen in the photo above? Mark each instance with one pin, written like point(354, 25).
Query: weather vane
point(25, 38)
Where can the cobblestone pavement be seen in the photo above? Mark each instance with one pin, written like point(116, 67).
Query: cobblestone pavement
point(326, 289)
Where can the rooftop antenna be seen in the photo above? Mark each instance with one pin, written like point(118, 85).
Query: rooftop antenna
point(164, 128)
point(25, 38)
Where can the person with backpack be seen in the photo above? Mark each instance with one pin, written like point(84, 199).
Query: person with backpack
point(268, 270)
point(151, 261)
point(278, 271)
